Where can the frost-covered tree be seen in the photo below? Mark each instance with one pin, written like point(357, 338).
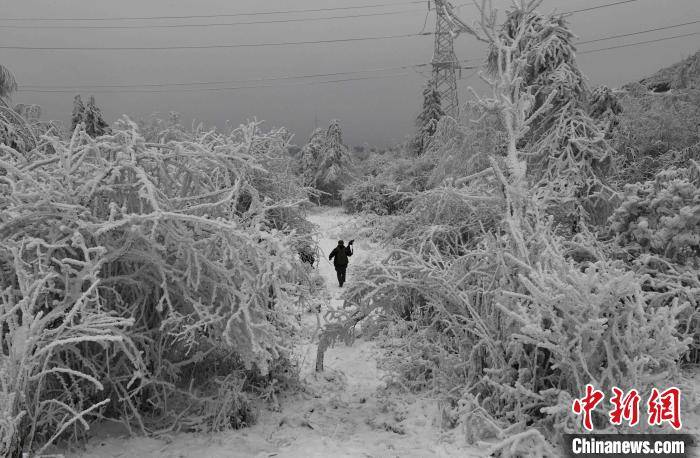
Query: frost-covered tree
point(310, 154)
point(8, 84)
point(564, 145)
point(15, 131)
point(90, 116)
point(95, 125)
point(335, 156)
point(326, 162)
point(78, 115)
point(428, 118)
point(605, 107)
point(555, 148)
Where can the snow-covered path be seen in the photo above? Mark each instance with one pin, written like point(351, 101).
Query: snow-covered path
point(343, 412)
point(334, 225)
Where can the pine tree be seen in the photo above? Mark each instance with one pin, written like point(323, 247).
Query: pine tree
point(335, 157)
point(326, 161)
point(554, 148)
point(78, 115)
point(15, 131)
point(310, 156)
point(8, 84)
point(565, 145)
point(95, 125)
point(428, 118)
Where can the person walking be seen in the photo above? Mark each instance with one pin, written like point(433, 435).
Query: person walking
point(340, 255)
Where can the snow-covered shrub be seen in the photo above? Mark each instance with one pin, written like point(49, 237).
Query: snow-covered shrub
point(514, 339)
point(372, 194)
point(651, 125)
point(176, 259)
point(459, 150)
point(605, 107)
point(449, 219)
point(376, 163)
point(399, 169)
point(55, 328)
point(412, 174)
point(662, 216)
point(655, 131)
point(157, 129)
point(657, 233)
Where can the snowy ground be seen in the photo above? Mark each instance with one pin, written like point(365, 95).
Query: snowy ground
point(344, 412)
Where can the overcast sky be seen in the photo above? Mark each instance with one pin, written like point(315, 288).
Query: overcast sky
point(375, 111)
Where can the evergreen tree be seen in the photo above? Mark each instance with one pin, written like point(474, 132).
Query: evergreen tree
point(78, 115)
point(428, 119)
point(8, 84)
point(310, 156)
point(15, 131)
point(326, 161)
point(335, 157)
point(95, 125)
point(565, 146)
point(555, 147)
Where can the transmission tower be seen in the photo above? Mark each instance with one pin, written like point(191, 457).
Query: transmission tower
point(445, 64)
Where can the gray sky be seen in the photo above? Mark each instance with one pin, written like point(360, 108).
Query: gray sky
point(376, 111)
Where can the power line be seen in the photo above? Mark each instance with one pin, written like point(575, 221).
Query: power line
point(237, 45)
point(638, 33)
point(143, 87)
point(87, 87)
point(289, 20)
point(317, 75)
point(622, 2)
point(219, 89)
point(588, 51)
point(217, 24)
point(582, 10)
point(320, 75)
point(200, 83)
point(244, 45)
point(201, 16)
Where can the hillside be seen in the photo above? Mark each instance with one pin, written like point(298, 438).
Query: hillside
point(660, 120)
point(681, 75)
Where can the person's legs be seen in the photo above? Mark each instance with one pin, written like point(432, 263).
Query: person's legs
point(340, 274)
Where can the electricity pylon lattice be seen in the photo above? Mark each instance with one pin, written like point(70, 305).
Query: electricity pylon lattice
point(445, 64)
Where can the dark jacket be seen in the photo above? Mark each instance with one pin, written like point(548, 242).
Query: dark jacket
point(340, 255)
